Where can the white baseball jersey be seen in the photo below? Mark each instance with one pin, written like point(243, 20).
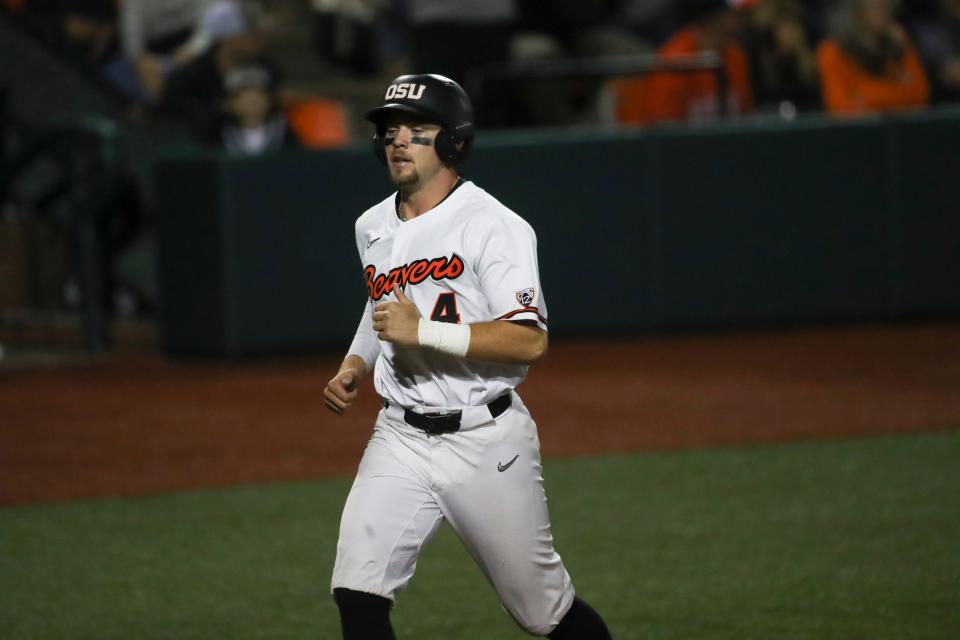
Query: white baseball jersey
point(467, 260)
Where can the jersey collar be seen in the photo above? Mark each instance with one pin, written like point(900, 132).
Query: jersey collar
point(396, 199)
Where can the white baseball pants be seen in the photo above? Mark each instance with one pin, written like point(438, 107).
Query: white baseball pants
point(409, 482)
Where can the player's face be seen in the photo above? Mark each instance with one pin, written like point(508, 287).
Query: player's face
point(411, 157)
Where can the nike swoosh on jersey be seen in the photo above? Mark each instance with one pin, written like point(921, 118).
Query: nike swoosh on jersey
point(370, 244)
point(503, 467)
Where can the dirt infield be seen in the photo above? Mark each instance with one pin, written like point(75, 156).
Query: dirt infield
point(142, 423)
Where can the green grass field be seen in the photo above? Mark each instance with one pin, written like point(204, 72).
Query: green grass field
point(829, 540)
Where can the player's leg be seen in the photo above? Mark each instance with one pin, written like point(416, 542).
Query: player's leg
point(389, 515)
point(496, 503)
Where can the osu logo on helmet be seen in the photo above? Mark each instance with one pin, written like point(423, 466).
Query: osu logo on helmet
point(407, 90)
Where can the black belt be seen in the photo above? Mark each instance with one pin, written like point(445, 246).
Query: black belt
point(437, 423)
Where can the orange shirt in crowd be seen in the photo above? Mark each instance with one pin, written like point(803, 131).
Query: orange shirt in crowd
point(684, 96)
point(849, 89)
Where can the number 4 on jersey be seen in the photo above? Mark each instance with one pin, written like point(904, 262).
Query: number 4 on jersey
point(446, 309)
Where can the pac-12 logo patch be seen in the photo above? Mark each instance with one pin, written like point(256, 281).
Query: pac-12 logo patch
point(526, 296)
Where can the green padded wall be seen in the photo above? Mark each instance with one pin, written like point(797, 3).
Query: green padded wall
point(741, 224)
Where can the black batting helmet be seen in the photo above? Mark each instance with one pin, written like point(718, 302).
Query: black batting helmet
point(437, 99)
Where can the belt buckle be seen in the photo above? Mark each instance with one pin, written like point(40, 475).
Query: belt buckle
point(437, 423)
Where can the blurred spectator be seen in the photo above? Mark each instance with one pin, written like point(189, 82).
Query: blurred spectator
point(938, 39)
point(196, 92)
point(451, 37)
point(253, 121)
point(85, 29)
point(651, 20)
point(580, 28)
point(782, 65)
point(868, 64)
point(393, 39)
point(713, 27)
point(817, 14)
point(157, 36)
point(90, 27)
point(570, 29)
point(345, 32)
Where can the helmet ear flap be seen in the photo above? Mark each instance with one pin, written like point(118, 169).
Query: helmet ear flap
point(446, 145)
point(464, 152)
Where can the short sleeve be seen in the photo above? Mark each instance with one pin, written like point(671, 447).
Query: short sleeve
point(506, 265)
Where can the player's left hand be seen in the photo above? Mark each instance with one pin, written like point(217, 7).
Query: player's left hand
point(397, 322)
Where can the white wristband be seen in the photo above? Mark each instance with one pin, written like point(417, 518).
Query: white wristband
point(444, 336)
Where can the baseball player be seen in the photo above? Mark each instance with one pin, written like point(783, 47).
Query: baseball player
point(455, 314)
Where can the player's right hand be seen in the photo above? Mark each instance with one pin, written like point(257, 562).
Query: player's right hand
point(341, 391)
